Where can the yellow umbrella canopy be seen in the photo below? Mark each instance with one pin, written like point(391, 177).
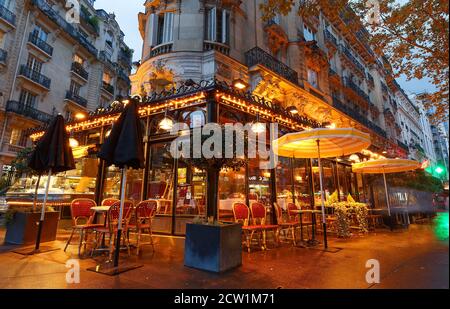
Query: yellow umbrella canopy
point(333, 143)
point(385, 166)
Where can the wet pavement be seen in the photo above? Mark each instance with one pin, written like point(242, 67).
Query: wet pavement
point(413, 258)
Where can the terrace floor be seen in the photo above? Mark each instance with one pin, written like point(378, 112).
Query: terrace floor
point(413, 258)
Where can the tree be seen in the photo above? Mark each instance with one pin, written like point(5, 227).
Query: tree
point(413, 35)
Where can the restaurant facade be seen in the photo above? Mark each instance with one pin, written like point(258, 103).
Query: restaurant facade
point(218, 62)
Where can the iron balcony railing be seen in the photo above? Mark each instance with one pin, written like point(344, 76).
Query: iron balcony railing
point(258, 56)
point(7, 15)
point(76, 98)
point(3, 55)
point(108, 87)
point(78, 69)
point(403, 145)
point(27, 111)
point(40, 43)
point(329, 37)
point(45, 8)
point(106, 59)
point(361, 118)
point(352, 58)
point(124, 58)
point(350, 84)
point(35, 76)
point(123, 76)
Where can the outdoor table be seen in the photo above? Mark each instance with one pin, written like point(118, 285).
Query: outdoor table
point(313, 213)
point(102, 210)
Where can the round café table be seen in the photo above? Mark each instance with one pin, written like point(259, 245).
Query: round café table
point(312, 241)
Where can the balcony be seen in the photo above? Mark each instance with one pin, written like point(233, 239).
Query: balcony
point(161, 49)
point(353, 61)
point(357, 116)
point(121, 75)
point(12, 149)
point(78, 69)
point(358, 91)
point(330, 38)
point(125, 58)
point(7, 16)
point(334, 77)
point(35, 77)
point(76, 98)
point(54, 16)
point(40, 44)
point(402, 145)
point(106, 59)
point(27, 111)
point(3, 56)
point(108, 88)
point(221, 48)
point(257, 56)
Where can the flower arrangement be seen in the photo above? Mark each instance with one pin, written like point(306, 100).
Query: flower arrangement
point(345, 211)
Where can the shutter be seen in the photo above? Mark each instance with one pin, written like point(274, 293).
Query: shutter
point(152, 29)
point(168, 28)
point(212, 23)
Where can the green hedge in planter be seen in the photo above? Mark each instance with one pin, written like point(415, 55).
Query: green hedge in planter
point(344, 212)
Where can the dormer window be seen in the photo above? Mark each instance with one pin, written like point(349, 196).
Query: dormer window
point(217, 25)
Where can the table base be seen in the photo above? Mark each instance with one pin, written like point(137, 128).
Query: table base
point(107, 268)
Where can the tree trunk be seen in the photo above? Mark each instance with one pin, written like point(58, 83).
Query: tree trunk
point(212, 192)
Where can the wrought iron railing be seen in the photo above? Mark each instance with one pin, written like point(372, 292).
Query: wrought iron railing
point(402, 145)
point(361, 118)
point(108, 87)
point(352, 58)
point(78, 69)
point(76, 98)
point(258, 56)
point(54, 16)
point(125, 58)
point(350, 84)
point(35, 76)
point(35, 40)
point(123, 76)
point(7, 15)
point(27, 111)
point(330, 37)
point(3, 55)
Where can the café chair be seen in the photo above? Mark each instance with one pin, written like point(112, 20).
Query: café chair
point(81, 210)
point(144, 213)
point(259, 217)
point(241, 214)
point(109, 201)
point(286, 226)
point(111, 227)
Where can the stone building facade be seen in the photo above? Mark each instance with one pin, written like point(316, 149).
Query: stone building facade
point(317, 65)
point(53, 62)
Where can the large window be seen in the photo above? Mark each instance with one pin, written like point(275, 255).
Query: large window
point(40, 33)
point(34, 64)
point(165, 28)
point(27, 98)
point(313, 78)
point(217, 25)
point(231, 190)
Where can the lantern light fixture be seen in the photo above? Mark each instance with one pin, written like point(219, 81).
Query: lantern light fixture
point(292, 109)
point(166, 123)
point(73, 142)
point(240, 84)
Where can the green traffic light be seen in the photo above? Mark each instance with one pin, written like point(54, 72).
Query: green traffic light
point(439, 170)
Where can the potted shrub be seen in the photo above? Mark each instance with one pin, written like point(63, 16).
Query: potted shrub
point(22, 225)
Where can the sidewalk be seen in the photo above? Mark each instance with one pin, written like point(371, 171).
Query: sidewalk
point(412, 258)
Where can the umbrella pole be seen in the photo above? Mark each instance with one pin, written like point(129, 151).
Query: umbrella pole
point(324, 221)
point(119, 226)
point(387, 194)
point(44, 205)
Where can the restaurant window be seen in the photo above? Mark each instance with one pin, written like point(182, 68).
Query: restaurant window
point(217, 25)
point(194, 118)
point(313, 78)
point(258, 183)
point(231, 190)
point(284, 182)
point(328, 181)
point(301, 182)
point(165, 28)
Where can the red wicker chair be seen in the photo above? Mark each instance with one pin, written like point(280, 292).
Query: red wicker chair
point(81, 210)
point(112, 224)
point(143, 216)
point(241, 215)
point(259, 215)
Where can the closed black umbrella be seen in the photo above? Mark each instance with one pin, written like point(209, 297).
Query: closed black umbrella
point(124, 148)
point(52, 154)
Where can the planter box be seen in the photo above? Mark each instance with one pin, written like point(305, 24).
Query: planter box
point(23, 228)
point(213, 248)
